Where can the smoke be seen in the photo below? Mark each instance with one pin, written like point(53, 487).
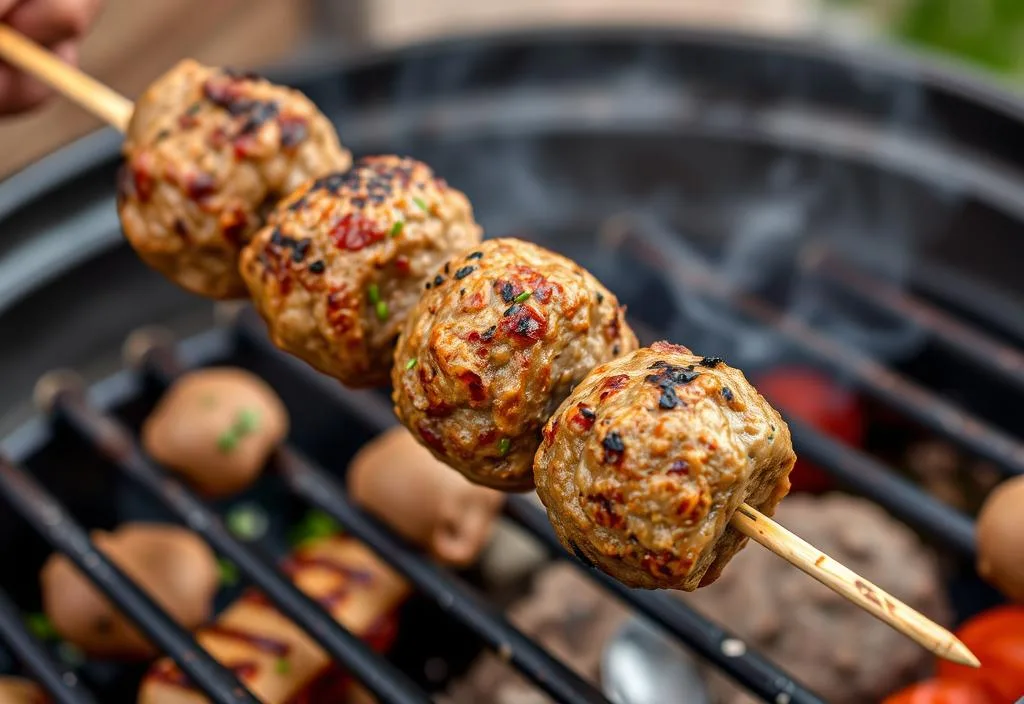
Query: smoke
point(604, 156)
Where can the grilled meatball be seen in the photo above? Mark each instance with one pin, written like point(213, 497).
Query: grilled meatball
point(643, 466)
point(207, 153)
point(496, 342)
point(343, 260)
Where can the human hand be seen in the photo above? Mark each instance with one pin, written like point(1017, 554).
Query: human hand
point(57, 25)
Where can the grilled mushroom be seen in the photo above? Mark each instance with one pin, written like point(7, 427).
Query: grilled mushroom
point(171, 564)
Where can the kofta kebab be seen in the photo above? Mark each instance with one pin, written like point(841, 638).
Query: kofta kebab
point(511, 363)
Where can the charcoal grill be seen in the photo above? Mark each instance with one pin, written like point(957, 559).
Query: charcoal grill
point(764, 200)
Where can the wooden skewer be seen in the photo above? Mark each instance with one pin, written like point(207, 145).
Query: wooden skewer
point(851, 586)
point(92, 95)
point(117, 110)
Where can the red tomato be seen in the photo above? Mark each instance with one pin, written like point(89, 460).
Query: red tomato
point(996, 636)
point(942, 691)
point(812, 397)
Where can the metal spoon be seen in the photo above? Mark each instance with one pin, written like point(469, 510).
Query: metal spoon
point(640, 665)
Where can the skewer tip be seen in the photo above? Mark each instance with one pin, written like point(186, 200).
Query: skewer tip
point(959, 653)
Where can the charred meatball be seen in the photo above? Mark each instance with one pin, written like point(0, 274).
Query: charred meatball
point(498, 339)
point(645, 463)
point(207, 153)
point(343, 260)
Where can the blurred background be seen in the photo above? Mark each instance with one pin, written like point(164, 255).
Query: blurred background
point(134, 42)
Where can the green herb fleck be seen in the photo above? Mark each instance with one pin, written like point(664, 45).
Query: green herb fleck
point(422, 205)
point(41, 626)
point(382, 310)
point(247, 521)
point(228, 572)
point(282, 666)
point(227, 441)
point(410, 364)
point(521, 297)
point(315, 525)
point(373, 293)
point(396, 229)
point(247, 421)
point(503, 446)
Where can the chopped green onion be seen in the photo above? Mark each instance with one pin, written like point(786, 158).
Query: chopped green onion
point(382, 310)
point(422, 205)
point(410, 364)
point(227, 441)
point(228, 572)
point(248, 522)
point(373, 293)
point(315, 525)
point(282, 666)
point(503, 446)
point(41, 626)
point(521, 297)
point(248, 419)
point(396, 229)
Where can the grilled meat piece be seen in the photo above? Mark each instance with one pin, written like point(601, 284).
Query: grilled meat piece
point(15, 690)
point(207, 153)
point(643, 466)
point(275, 658)
point(344, 259)
point(491, 349)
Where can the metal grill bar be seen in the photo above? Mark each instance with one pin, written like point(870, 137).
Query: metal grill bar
point(112, 440)
point(316, 487)
point(970, 342)
point(659, 251)
point(866, 476)
point(62, 683)
point(750, 669)
point(48, 518)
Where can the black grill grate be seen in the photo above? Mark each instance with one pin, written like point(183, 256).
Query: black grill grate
point(88, 419)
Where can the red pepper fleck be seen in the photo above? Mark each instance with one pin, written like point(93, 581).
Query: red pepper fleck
point(486, 438)
point(244, 145)
point(233, 224)
point(474, 303)
point(679, 468)
point(187, 121)
point(612, 329)
point(584, 417)
point(477, 393)
point(199, 185)
point(430, 437)
point(142, 177)
point(612, 384)
point(605, 514)
point(439, 410)
point(658, 564)
point(524, 325)
point(218, 138)
point(354, 232)
point(669, 347)
point(402, 265)
point(339, 310)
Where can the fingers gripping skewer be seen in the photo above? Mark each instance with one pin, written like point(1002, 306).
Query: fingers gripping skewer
point(97, 98)
point(851, 586)
point(117, 110)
